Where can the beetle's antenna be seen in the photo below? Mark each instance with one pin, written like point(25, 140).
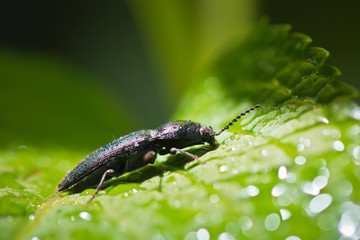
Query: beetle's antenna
point(237, 118)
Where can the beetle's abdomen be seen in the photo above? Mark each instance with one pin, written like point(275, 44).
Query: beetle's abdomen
point(113, 155)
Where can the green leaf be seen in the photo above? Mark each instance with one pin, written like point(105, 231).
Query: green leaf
point(291, 168)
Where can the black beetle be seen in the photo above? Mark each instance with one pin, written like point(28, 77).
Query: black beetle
point(137, 149)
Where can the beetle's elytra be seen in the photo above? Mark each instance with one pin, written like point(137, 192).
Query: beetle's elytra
point(137, 149)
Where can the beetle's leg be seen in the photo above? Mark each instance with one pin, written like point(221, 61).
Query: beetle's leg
point(193, 156)
point(107, 172)
point(149, 157)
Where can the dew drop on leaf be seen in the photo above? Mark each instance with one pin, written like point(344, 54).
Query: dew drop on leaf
point(282, 172)
point(356, 152)
point(203, 234)
point(338, 146)
point(252, 190)
point(225, 236)
point(214, 198)
point(320, 203)
point(300, 160)
point(85, 215)
point(272, 222)
point(278, 190)
point(292, 238)
point(285, 214)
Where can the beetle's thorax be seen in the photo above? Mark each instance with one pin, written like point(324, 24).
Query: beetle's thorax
point(183, 134)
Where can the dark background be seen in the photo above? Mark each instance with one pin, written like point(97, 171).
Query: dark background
point(104, 40)
point(333, 25)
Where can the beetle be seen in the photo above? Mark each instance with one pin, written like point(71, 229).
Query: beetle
point(137, 149)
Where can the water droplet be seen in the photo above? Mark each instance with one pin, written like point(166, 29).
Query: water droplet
point(356, 152)
point(72, 218)
point(85, 215)
point(319, 182)
point(216, 186)
point(347, 226)
point(203, 234)
point(325, 120)
point(282, 172)
point(224, 168)
point(338, 145)
point(300, 160)
point(305, 141)
point(356, 113)
point(300, 147)
point(245, 223)
point(278, 190)
point(252, 190)
point(349, 221)
point(225, 236)
point(292, 238)
point(272, 222)
point(214, 198)
point(35, 238)
point(285, 214)
point(320, 203)
point(264, 152)
point(308, 188)
point(31, 217)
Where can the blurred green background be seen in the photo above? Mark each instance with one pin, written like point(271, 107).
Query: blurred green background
point(79, 74)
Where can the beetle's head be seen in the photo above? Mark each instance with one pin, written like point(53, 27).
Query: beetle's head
point(207, 135)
